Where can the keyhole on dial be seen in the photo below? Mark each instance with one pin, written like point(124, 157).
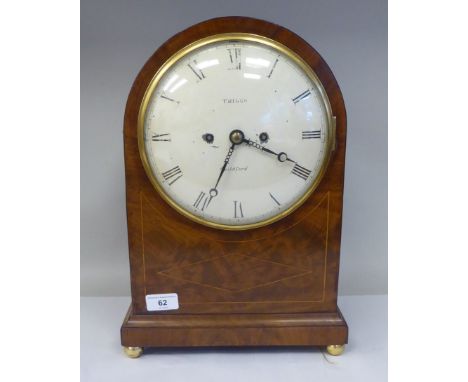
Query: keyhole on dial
point(263, 137)
point(208, 138)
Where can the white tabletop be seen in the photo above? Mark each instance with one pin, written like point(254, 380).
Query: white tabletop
point(364, 359)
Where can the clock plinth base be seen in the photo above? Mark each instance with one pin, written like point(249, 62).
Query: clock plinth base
point(218, 330)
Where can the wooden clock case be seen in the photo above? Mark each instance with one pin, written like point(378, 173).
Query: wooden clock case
point(270, 286)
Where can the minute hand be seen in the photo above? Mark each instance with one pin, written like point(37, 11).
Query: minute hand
point(282, 157)
point(226, 161)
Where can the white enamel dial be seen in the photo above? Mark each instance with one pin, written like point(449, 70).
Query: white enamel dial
point(246, 103)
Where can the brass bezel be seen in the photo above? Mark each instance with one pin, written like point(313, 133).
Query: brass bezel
point(236, 37)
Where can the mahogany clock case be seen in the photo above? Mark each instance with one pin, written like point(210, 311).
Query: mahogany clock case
point(271, 286)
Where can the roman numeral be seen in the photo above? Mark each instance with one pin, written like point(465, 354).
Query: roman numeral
point(235, 57)
point(202, 201)
point(198, 72)
point(301, 96)
point(238, 213)
point(173, 172)
point(301, 172)
point(168, 98)
point(276, 201)
point(311, 134)
point(272, 68)
point(161, 137)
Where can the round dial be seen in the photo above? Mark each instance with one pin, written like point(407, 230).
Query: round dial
point(235, 133)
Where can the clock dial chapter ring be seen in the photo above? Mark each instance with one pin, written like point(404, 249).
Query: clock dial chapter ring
point(236, 137)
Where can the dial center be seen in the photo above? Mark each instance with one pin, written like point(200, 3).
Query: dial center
point(236, 137)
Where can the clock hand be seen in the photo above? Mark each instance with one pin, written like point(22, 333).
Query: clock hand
point(298, 170)
point(236, 137)
point(226, 161)
point(282, 157)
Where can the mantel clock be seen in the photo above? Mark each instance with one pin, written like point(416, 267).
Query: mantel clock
point(234, 158)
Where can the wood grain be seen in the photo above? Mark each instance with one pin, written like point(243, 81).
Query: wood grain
point(289, 268)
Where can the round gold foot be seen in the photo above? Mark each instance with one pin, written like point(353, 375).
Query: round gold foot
point(133, 351)
point(335, 349)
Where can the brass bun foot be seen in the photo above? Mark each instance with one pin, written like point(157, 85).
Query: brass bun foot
point(133, 351)
point(335, 349)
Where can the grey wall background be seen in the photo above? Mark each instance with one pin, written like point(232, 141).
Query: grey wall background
point(117, 37)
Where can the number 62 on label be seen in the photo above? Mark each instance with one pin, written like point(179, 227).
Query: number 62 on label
point(168, 301)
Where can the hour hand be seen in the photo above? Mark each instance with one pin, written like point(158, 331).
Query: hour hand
point(282, 157)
